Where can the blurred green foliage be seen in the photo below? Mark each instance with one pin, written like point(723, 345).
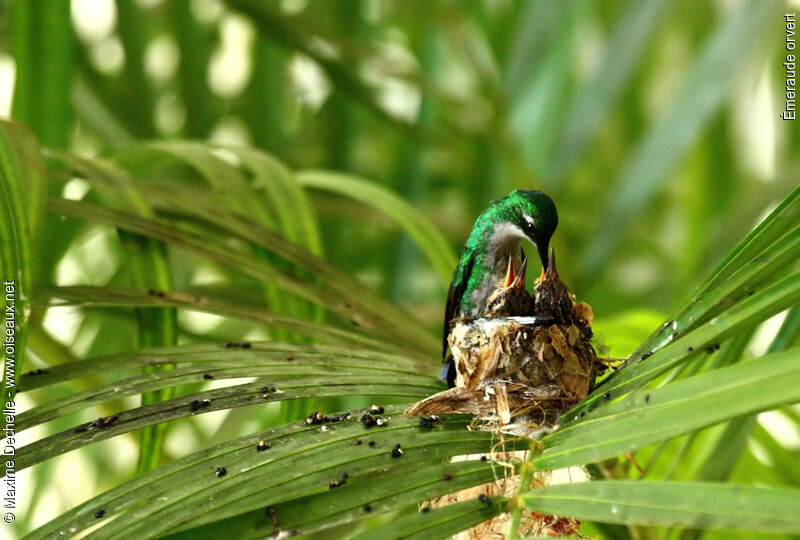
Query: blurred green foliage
point(653, 125)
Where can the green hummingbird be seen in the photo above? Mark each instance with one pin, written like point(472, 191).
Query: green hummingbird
point(492, 247)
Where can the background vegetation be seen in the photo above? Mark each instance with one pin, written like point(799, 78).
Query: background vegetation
point(303, 173)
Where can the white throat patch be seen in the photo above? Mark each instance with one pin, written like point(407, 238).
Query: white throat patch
point(505, 239)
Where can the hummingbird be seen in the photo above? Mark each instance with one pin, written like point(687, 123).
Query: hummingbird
point(492, 253)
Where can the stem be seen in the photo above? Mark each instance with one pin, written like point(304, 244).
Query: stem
point(525, 476)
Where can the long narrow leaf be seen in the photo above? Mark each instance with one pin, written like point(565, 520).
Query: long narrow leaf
point(745, 314)
point(686, 504)
point(22, 194)
point(248, 265)
point(242, 395)
point(683, 406)
point(409, 218)
point(666, 144)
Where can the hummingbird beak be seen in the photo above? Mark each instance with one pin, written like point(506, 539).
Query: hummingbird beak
point(552, 273)
point(511, 276)
point(542, 249)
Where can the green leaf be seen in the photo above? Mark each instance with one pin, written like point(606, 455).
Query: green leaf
point(172, 202)
point(686, 504)
point(221, 363)
point(147, 268)
point(242, 395)
point(590, 105)
point(22, 194)
point(301, 462)
point(387, 491)
point(42, 45)
point(677, 348)
point(295, 33)
point(209, 354)
point(440, 523)
point(207, 303)
point(406, 216)
point(667, 142)
point(680, 407)
point(248, 265)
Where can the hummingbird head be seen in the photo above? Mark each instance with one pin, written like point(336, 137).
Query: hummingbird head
point(535, 214)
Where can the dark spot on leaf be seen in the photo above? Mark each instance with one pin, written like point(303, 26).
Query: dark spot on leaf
point(646, 355)
point(340, 482)
point(376, 410)
point(208, 376)
point(484, 458)
point(428, 421)
point(668, 324)
point(104, 421)
point(425, 509)
point(583, 413)
point(397, 451)
point(371, 443)
point(751, 293)
point(80, 429)
point(367, 508)
point(314, 418)
point(99, 513)
point(221, 471)
point(367, 420)
point(647, 398)
point(607, 396)
point(447, 477)
point(289, 358)
point(38, 372)
point(197, 404)
point(261, 446)
point(484, 499)
point(357, 442)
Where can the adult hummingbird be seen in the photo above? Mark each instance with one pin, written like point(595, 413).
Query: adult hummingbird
point(493, 246)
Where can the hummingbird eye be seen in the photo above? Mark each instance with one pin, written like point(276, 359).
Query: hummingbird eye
point(529, 224)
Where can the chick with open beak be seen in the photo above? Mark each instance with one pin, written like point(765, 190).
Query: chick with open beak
point(511, 298)
point(552, 298)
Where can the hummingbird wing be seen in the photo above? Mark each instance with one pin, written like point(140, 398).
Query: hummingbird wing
point(454, 296)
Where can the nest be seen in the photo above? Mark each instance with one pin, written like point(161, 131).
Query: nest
point(518, 368)
point(531, 524)
point(512, 372)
